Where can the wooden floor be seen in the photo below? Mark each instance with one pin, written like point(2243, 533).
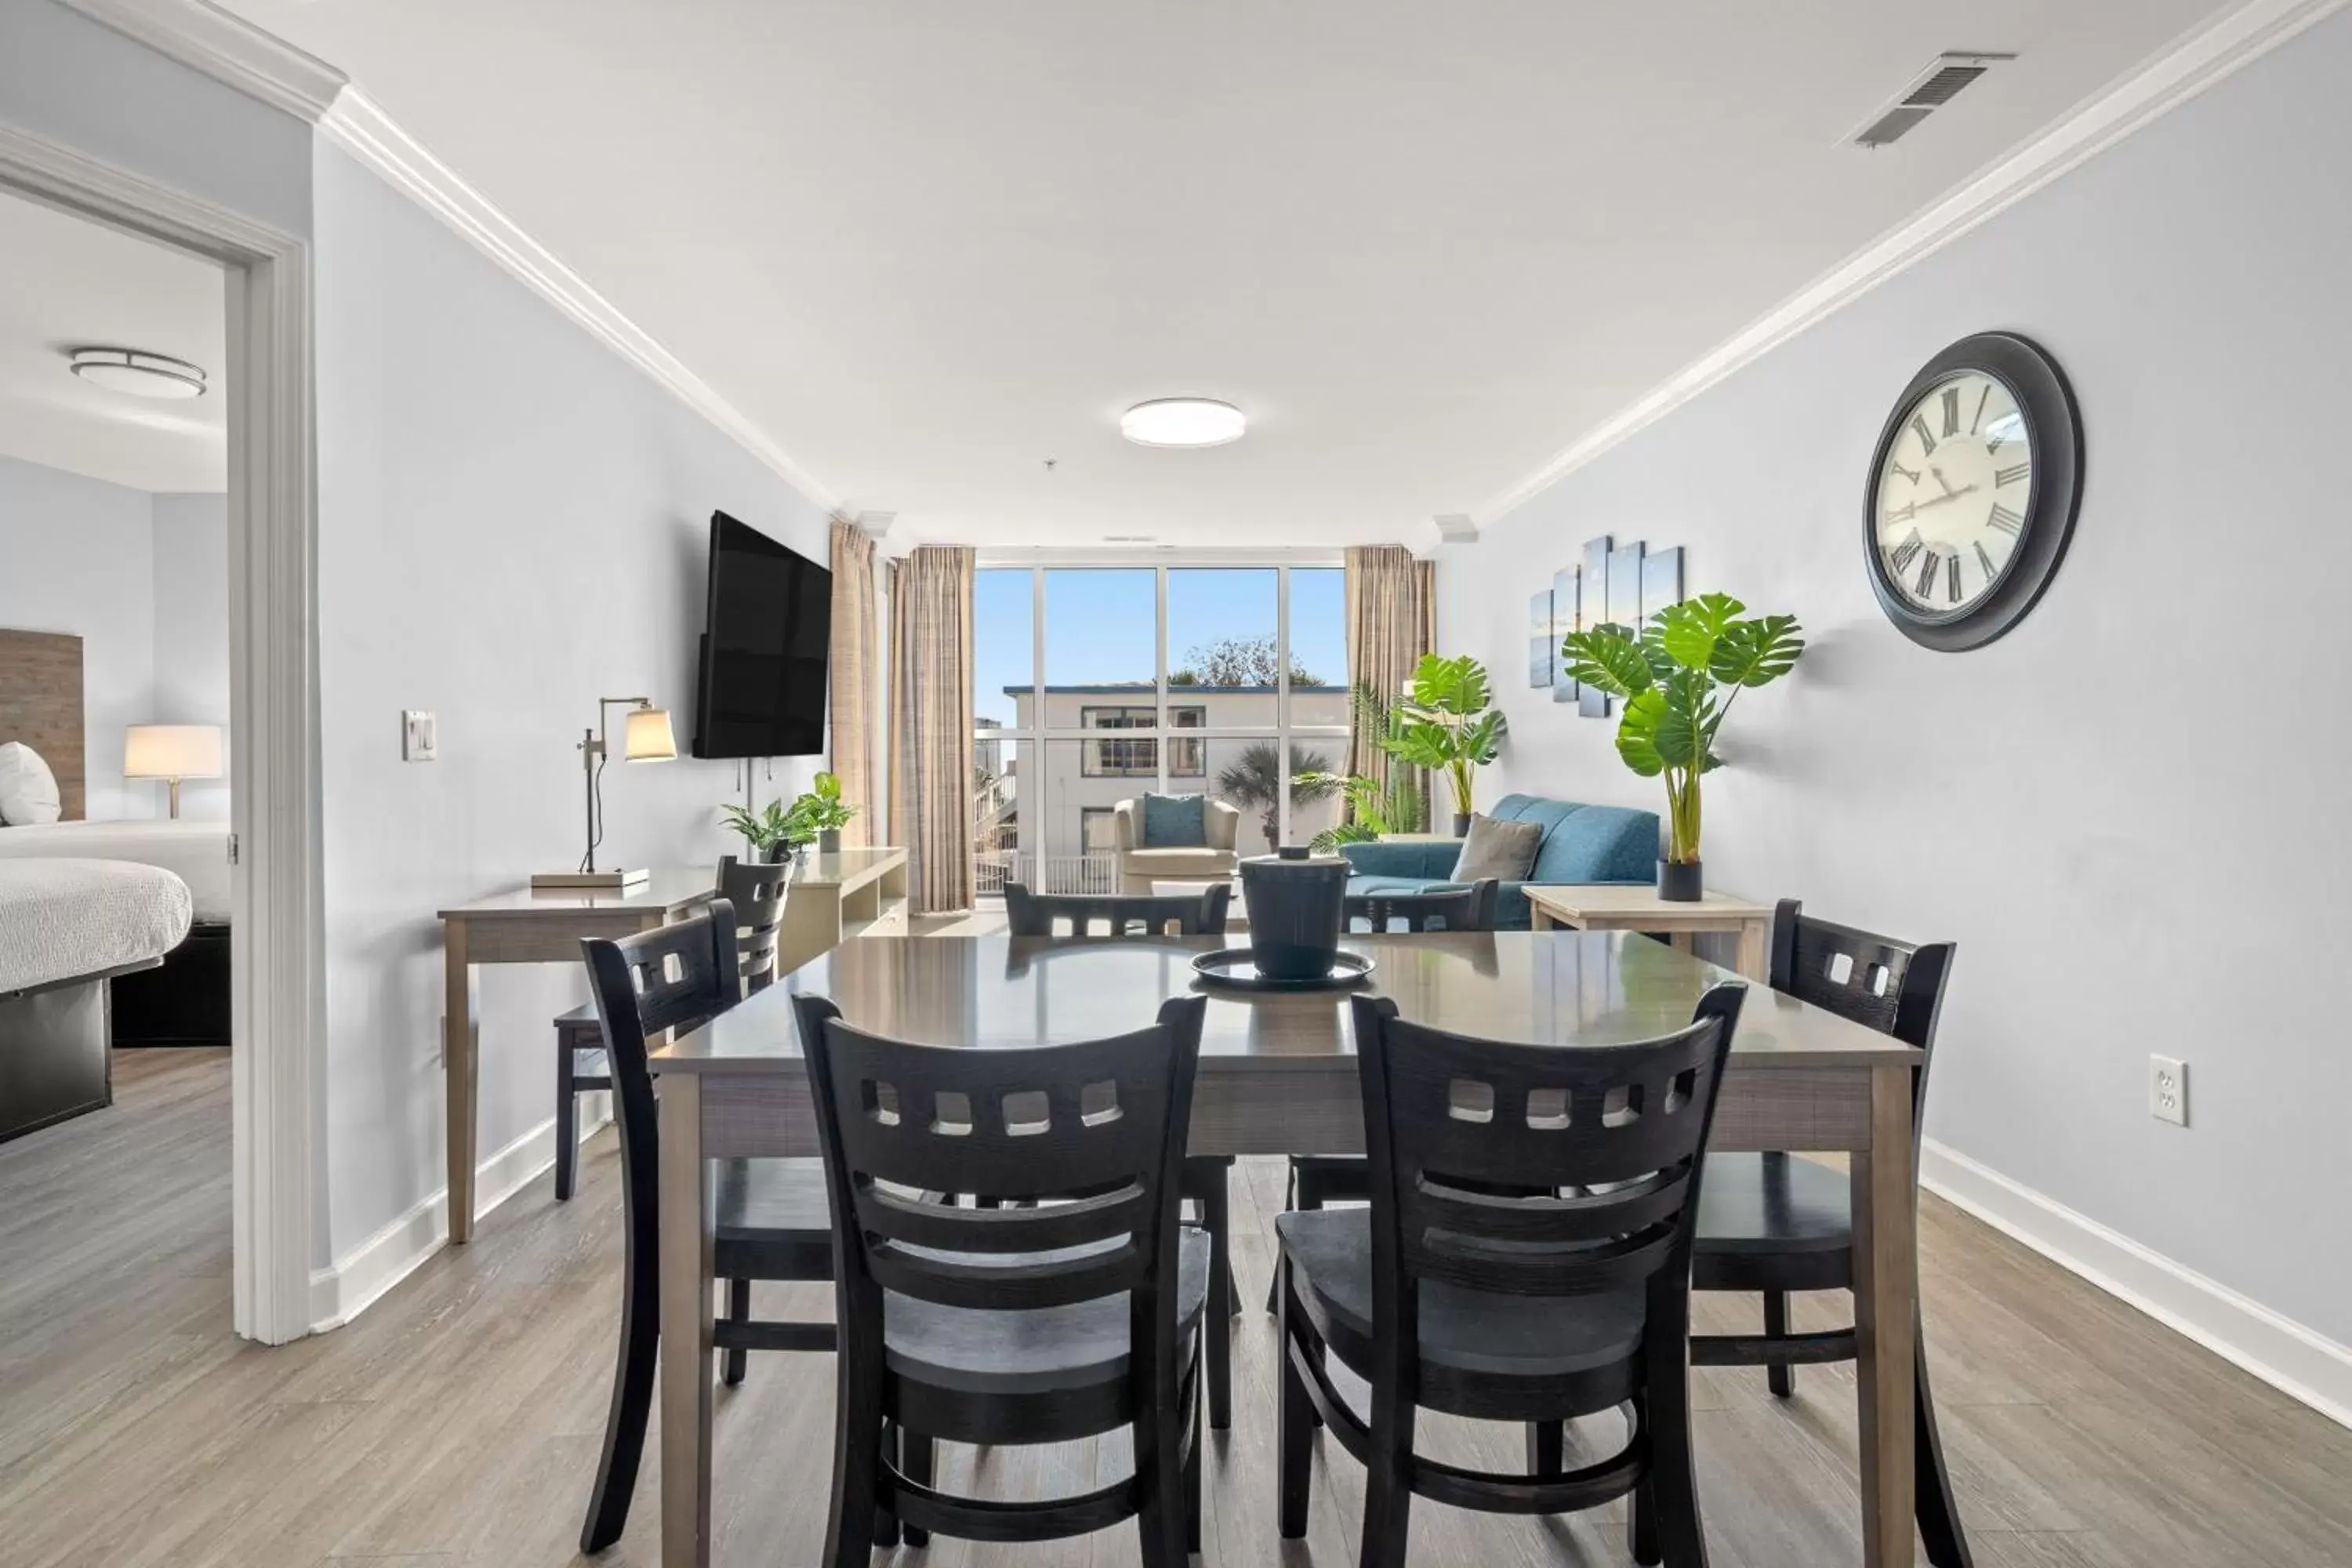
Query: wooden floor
point(456, 1422)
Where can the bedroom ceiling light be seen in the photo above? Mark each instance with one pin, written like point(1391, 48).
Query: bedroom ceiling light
point(1183, 422)
point(140, 373)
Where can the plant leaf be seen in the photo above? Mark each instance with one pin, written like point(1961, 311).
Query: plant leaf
point(1637, 732)
point(1688, 631)
point(1758, 652)
point(1686, 718)
point(1607, 658)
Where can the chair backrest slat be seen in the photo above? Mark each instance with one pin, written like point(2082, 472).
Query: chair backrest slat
point(1123, 914)
point(1894, 987)
point(756, 889)
point(906, 1127)
point(1536, 1170)
point(1462, 908)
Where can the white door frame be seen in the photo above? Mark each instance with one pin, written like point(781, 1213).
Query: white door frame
point(278, 1013)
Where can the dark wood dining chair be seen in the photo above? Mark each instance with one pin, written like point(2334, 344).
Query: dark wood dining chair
point(1526, 1259)
point(1317, 1180)
point(1204, 1180)
point(1464, 908)
point(1773, 1224)
point(756, 892)
point(771, 1220)
point(1042, 1320)
point(1117, 915)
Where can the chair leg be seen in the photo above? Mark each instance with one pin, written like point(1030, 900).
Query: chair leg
point(1937, 1510)
point(636, 1365)
point(1387, 1490)
point(1295, 1430)
point(1218, 1331)
point(1642, 1525)
point(1546, 1447)
point(1160, 1467)
point(1193, 1493)
point(738, 1310)
point(885, 1524)
point(567, 1121)
point(915, 1452)
point(1779, 1375)
point(1674, 1477)
point(1289, 1201)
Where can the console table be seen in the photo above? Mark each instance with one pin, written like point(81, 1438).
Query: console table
point(1606, 906)
point(830, 897)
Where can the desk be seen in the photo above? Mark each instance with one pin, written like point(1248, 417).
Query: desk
point(1278, 1075)
point(1602, 906)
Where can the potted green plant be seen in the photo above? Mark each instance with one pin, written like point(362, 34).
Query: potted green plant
point(772, 833)
point(1445, 721)
point(1678, 679)
point(823, 812)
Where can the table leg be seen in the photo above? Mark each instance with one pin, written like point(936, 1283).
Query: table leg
point(1885, 1267)
point(685, 1327)
point(1538, 917)
point(458, 1072)
point(1680, 940)
point(1755, 936)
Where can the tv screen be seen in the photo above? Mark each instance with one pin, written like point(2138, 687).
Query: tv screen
point(768, 633)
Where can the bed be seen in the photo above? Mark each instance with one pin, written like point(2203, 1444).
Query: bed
point(184, 999)
point(69, 928)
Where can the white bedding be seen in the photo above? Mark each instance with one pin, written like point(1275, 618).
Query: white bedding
point(196, 852)
point(59, 918)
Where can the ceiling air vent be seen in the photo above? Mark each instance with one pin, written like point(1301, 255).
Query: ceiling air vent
point(1933, 88)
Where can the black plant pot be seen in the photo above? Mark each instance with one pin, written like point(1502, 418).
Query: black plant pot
point(1461, 824)
point(1294, 906)
point(1679, 881)
point(778, 854)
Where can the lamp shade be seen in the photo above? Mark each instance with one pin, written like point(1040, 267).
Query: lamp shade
point(172, 751)
point(647, 737)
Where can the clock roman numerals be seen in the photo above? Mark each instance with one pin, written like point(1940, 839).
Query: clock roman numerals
point(1983, 397)
point(1951, 412)
point(1910, 474)
point(1985, 561)
point(2007, 521)
point(1902, 553)
point(1927, 583)
point(2011, 475)
point(1952, 578)
point(1919, 428)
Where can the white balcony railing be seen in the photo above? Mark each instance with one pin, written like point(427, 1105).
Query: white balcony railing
point(1097, 873)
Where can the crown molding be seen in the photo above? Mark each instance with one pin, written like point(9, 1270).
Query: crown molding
point(360, 128)
point(234, 51)
point(227, 47)
point(2172, 79)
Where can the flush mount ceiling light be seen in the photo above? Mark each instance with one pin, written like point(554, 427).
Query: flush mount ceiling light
point(1183, 422)
point(140, 375)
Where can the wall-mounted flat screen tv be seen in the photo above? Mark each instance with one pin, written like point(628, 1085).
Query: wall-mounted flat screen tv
point(769, 630)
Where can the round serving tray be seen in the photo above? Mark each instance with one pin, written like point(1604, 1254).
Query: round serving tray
point(1233, 967)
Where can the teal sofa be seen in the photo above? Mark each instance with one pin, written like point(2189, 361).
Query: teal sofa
point(1580, 844)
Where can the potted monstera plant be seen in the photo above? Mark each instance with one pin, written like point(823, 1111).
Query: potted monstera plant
point(1679, 678)
point(1446, 722)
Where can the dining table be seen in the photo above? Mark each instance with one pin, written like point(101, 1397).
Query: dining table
point(1278, 1075)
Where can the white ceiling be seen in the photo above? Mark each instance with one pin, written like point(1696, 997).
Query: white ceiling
point(927, 245)
point(72, 284)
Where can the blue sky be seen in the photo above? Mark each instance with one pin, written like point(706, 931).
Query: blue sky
point(1099, 624)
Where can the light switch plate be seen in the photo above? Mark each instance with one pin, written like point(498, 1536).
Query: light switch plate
point(420, 736)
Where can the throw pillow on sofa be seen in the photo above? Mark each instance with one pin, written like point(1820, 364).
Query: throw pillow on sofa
point(1175, 822)
point(1503, 850)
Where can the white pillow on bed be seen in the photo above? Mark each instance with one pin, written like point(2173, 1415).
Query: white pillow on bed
point(28, 790)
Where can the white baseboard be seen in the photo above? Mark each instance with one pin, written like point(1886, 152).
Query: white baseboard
point(361, 1275)
point(2298, 1362)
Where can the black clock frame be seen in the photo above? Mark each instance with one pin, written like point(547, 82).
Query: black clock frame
point(2054, 427)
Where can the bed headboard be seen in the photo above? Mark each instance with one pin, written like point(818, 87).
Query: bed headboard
point(40, 704)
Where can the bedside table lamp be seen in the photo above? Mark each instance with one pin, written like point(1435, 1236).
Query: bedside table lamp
point(172, 752)
point(645, 737)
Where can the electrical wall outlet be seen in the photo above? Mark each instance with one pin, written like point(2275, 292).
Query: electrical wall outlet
point(2167, 1090)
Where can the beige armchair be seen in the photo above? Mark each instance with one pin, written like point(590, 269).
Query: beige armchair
point(1138, 867)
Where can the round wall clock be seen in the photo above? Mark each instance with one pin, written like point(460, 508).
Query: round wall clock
point(1973, 491)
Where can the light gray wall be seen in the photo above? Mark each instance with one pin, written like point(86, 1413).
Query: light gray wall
point(2129, 812)
point(76, 555)
point(192, 630)
point(69, 79)
point(512, 523)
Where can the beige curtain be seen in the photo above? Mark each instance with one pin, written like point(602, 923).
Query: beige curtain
point(930, 724)
point(857, 681)
point(1391, 622)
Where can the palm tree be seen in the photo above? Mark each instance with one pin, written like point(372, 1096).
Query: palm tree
point(1256, 777)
